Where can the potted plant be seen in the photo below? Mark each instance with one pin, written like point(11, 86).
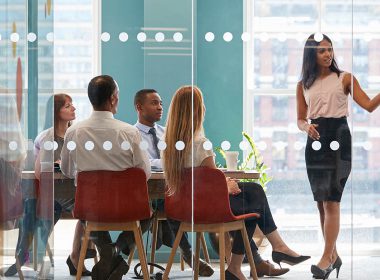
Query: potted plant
point(258, 163)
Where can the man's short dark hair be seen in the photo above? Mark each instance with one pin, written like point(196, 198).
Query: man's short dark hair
point(100, 90)
point(141, 94)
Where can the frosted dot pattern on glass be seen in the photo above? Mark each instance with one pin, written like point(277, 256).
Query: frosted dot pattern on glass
point(180, 145)
point(15, 37)
point(243, 145)
point(228, 36)
point(207, 145)
point(367, 146)
point(318, 36)
point(209, 36)
point(55, 144)
point(123, 37)
point(334, 145)
point(105, 37)
point(316, 145)
point(71, 145)
point(261, 145)
point(125, 145)
point(89, 145)
point(13, 145)
point(226, 145)
point(177, 37)
point(141, 37)
point(50, 37)
point(161, 145)
point(48, 145)
point(31, 37)
point(160, 37)
point(143, 145)
point(107, 145)
point(298, 145)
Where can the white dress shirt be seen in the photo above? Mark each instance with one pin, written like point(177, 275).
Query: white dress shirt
point(155, 162)
point(102, 143)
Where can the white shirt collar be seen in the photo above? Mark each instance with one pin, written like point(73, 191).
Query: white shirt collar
point(102, 115)
point(144, 127)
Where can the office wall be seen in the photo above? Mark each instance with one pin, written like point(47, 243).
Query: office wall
point(219, 69)
point(123, 60)
point(165, 66)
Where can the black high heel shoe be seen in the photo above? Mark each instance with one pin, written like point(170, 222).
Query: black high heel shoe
point(336, 265)
point(230, 276)
point(320, 273)
point(73, 270)
point(279, 257)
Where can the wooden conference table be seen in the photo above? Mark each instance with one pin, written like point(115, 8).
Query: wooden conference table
point(64, 187)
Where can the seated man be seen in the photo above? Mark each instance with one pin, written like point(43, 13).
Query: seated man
point(148, 105)
point(90, 137)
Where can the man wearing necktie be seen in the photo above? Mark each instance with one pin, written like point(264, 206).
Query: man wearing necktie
point(148, 105)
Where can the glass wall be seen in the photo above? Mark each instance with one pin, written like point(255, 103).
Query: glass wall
point(26, 55)
point(245, 56)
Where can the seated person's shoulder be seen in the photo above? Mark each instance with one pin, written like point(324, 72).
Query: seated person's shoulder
point(127, 127)
point(44, 135)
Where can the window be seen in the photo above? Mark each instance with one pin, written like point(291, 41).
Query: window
point(273, 64)
point(76, 60)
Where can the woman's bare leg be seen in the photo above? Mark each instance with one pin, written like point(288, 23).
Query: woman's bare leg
point(279, 245)
point(235, 266)
point(330, 232)
point(322, 220)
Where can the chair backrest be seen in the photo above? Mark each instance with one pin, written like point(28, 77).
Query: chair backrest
point(211, 199)
point(112, 196)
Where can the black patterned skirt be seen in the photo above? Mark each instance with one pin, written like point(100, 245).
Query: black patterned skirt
point(328, 160)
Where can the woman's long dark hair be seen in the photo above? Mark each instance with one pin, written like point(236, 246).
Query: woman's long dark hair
point(309, 65)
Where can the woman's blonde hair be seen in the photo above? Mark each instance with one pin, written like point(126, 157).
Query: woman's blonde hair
point(184, 121)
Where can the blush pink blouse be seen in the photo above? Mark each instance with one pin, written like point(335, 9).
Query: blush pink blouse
point(326, 97)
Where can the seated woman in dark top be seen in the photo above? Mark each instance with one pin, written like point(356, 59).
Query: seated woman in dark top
point(187, 104)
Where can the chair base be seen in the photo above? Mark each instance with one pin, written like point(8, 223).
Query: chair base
point(220, 228)
point(127, 226)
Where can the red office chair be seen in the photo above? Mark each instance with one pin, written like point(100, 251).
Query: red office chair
point(11, 207)
point(211, 213)
point(112, 200)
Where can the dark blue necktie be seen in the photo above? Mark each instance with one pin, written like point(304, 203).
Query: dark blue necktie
point(155, 141)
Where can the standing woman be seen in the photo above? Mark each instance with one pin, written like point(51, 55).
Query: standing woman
point(322, 98)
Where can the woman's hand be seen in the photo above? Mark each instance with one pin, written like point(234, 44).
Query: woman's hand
point(232, 186)
point(312, 131)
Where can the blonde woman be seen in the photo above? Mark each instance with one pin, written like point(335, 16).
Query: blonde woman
point(187, 104)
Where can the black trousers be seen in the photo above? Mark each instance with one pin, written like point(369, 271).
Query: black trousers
point(125, 241)
point(252, 199)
